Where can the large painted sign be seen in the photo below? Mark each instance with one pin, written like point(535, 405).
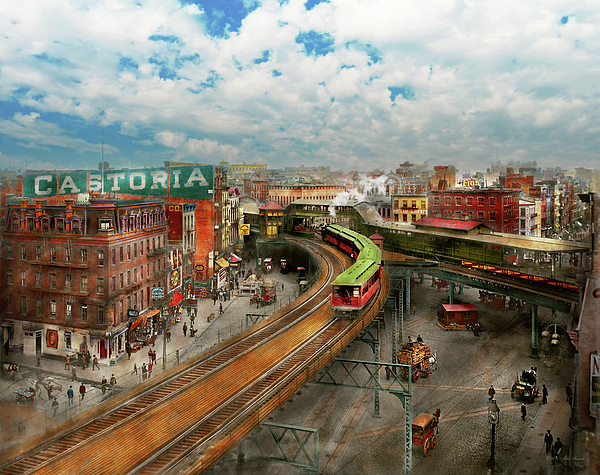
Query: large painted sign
point(195, 182)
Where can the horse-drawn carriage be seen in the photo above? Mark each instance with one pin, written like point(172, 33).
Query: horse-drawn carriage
point(424, 427)
point(267, 295)
point(418, 356)
point(525, 386)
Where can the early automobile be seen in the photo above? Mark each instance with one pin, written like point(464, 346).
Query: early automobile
point(525, 386)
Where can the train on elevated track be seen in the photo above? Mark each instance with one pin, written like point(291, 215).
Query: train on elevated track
point(355, 287)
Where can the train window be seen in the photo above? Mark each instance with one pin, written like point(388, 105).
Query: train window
point(356, 292)
point(336, 291)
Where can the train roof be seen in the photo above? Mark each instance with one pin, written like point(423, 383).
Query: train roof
point(358, 273)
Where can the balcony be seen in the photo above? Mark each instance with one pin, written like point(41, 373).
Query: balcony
point(156, 251)
point(51, 263)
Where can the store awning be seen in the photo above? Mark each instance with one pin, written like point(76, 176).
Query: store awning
point(176, 300)
point(235, 258)
point(141, 320)
point(222, 262)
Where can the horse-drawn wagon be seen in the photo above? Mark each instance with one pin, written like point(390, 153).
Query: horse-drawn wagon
point(418, 356)
point(424, 427)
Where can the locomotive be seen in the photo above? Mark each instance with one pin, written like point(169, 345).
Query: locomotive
point(354, 288)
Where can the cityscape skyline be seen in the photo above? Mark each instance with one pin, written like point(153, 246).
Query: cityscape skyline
point(348, 84)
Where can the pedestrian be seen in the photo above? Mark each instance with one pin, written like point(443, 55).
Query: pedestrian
point(220, 308)
point(192, 318)
point(113, 381)
point(134, 369)
point(95, 365)
point(70, 395)
point(387, 372)
point(569, 392)
point(82, 360)
point(149, 371)
point(523, 411)
point(55, 406)
point(150, 354)
point(548, 439)
point(74, 373)
point(153, 356)
point(144, 372)
point(128, 349)
point(184, 329)
point(82, 391)
point(49, 389)
point(414, 309)
point(68, 362)
point(21, 430)
point(491, 392)
point(282, 286)
point(168, 335)
point(153, 339)
point(476, 329)
point(88, 359)
point(419, 339)
point(104, 384)
point(544, 394)
point(558, 445)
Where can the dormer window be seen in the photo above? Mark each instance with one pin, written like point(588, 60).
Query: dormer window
point(105, 225)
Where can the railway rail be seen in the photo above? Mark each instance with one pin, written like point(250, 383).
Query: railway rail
point(201, 409)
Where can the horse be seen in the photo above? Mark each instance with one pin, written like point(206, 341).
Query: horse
point(433, 361)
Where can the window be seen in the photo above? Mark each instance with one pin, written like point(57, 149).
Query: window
point(23, 278)
point(492, 216)
point(38, 307)
point(436, 200)
point(9, 254)
point(405, 203)
point(105, 225)
point(83, 256)
point(141, 272)
point(135, 250)
point(52, 281)
point(113, 284)
point(121, 254)
point(60, 225)
point(9, 304)
point(128, 278)
point(414, 203)
point(480, 201)
point(479, 215)
point(23, 305)
point(23, 252)
point(148, 269)
point(68, 254)
point(413, 217)
point(52, 308)
point(135, 275)
point(84, 314)
point(128, 252)
point(121, 280)
point(405, 218)
point(128, 302)
point(121, 310)
point(67, 283)
point(113, 257)
point(142, 248)
point(447, 200)
point(68, 340)
point(9, 277)
point(100, 281)
point(84, 283)
point(458, 201)
point(469, 201)
point(100, 258)
point(147, 246)
point(101, 315)
point(52, 254)
point(68, 312)
point(492, 201)
point(38, 253)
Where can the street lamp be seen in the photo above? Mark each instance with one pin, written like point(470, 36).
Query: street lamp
point(494, 419)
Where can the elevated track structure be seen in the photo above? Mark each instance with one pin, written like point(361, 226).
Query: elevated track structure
point(184, 420)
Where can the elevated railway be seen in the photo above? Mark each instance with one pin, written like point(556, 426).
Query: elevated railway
point(187, 418)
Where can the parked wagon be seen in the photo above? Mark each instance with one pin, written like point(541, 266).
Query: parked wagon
point(418, 356)
point(424, 427)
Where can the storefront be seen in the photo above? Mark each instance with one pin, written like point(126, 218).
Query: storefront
point(141, 329)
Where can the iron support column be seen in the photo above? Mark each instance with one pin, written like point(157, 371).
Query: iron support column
point(394, 335)
point(534, 331)
point(376, 350)
point(451, 293)
point(407, 291)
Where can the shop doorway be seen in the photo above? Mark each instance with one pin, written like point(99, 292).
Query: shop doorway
point(102, 349)
point(38, 343)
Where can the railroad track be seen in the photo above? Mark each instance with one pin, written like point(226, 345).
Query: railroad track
point(121, 440)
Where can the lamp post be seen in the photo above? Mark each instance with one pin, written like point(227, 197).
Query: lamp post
point(494, 419)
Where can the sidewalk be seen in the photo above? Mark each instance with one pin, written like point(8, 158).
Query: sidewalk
point(531, 458)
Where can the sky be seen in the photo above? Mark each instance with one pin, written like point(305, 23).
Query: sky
point(353, 84)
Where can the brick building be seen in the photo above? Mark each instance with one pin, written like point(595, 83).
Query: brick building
point(71, 272)
point(286, 194)
point(496, 208)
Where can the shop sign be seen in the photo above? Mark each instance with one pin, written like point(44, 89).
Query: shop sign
point(594, 383)
point(131, 313)
point(158, 293)
point(244, 229)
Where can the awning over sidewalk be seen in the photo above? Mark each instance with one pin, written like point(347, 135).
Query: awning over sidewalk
point(141, 320)
point(235, 258)
point(176, 300)
point(222, 262)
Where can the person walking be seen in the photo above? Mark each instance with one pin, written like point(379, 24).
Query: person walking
point(149, 356)
point(74, 371)
point(55, 407)
point(103, 384)
point(491, 392)
point(153, 339)
point(113, 381)
point(523, 411)
point(544, 395)
point(153, 357)
point(144, 372)
point(387, 372)
point(88, 359)
point(82, 360)
point(558, 445)
point(149, 371)
point(220, 308)
point(134, 369)
point(569, 392)
point(95, 365)
point(68, 362)
point(128, 350)
point(548, 439)
point(82, 391)
point(168, 335)
point(192, 318)
point(70, 395)
point(184, 330)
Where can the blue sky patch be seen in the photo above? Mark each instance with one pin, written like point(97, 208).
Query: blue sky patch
point(181, 60)
point(564, 20)
point(405, 91)
point(127, 63)
point(163, 72)
point(310, 4)
point(167, 39)
point(315, 43)
point(211, 80)
point(222, 18)
point(276, 73)
point(373, 53)
point(52, 60)
point(264, 58)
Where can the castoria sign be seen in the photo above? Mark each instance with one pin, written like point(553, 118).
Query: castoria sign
point(195, 182)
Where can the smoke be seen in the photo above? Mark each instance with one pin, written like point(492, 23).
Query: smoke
point(373, 186)
point(345, 198)
point(366, 187)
